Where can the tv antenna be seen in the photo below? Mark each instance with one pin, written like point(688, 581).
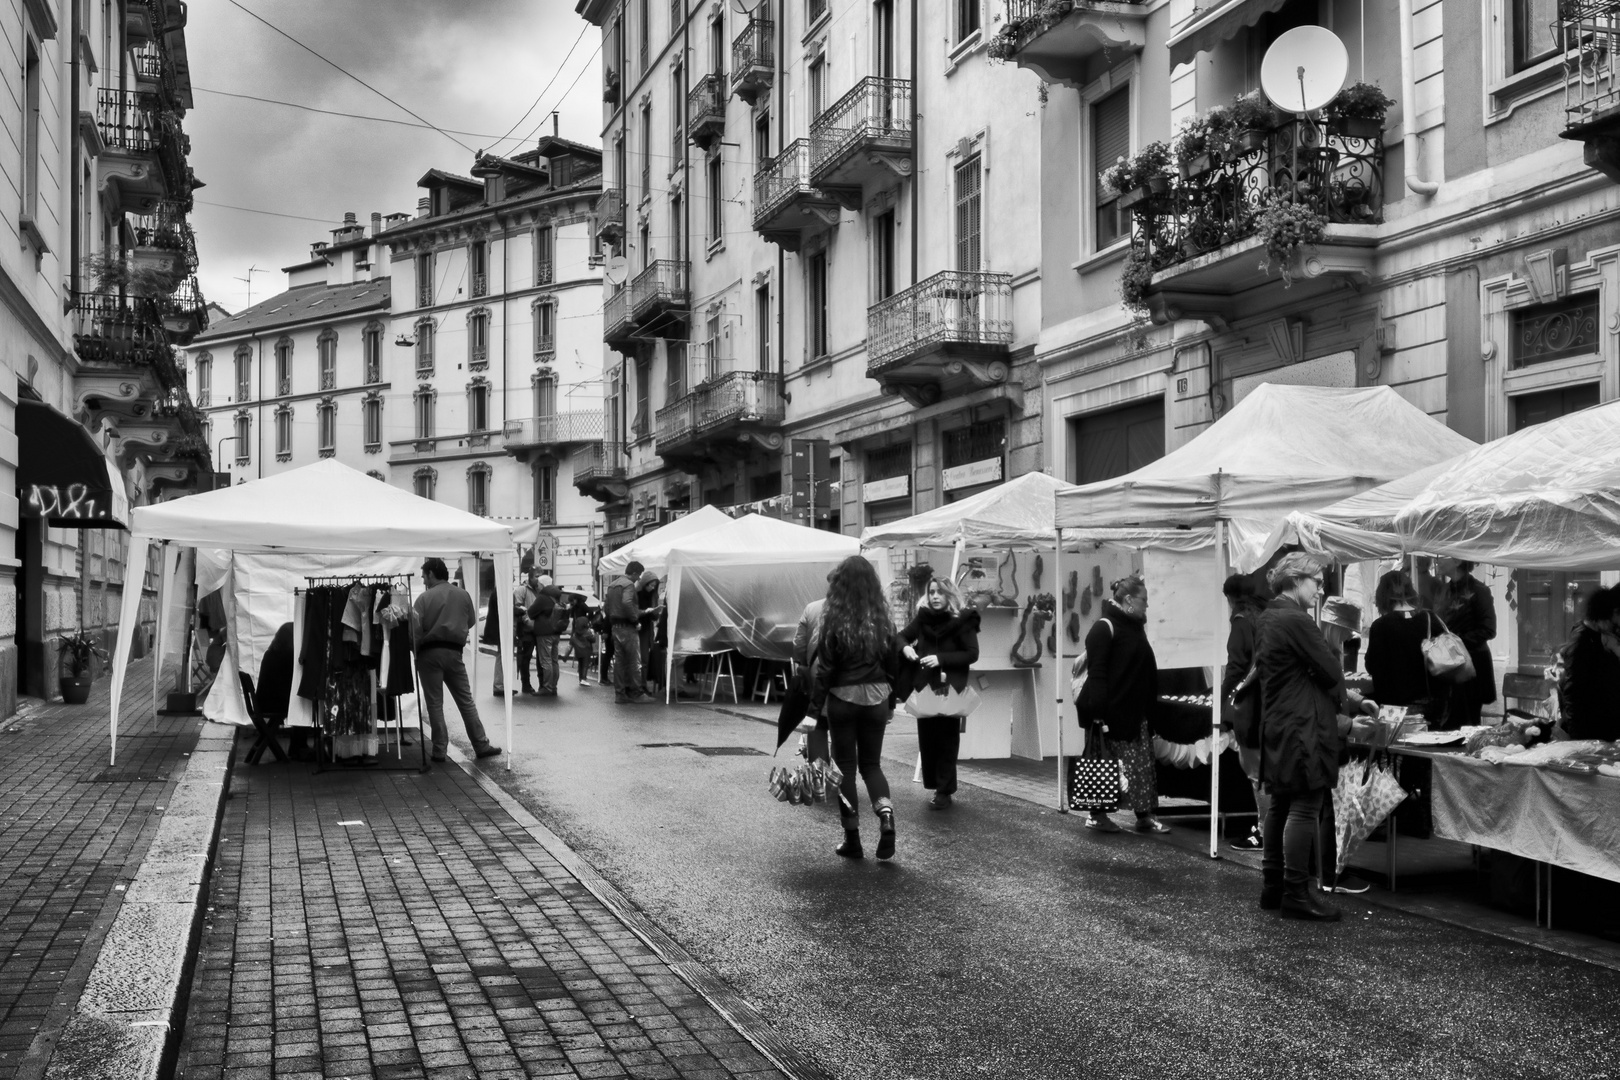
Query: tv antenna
point(249, 279)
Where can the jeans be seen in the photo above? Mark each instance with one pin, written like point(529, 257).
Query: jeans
point(525, 652)
point(1250, 760)
point(546, 661)
point(939, 741)
point(1291, 833)
point(439, 668)
point(857, 743)
point(626, 659)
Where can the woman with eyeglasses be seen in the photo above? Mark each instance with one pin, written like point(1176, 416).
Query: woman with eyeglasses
point(1118, 697)
point(1301, 688)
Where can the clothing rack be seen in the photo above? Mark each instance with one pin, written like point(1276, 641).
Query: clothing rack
point(323, 580)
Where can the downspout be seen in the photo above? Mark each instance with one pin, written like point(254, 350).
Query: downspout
point(916, 138)
point(506, 382)
point(1409, 137)
point(781, 146)
point(73, 188)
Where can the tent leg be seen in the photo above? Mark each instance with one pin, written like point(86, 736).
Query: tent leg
point(131, 610)
point(1057, 672)
point(503, 577)
point(1215, 705)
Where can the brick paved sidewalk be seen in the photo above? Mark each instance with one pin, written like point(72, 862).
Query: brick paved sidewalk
point(402, 925)
point(73, 834)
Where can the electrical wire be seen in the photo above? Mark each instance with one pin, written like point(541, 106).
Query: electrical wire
point(338, 67)
point(268, 213)
point(587, 66)
point(334, 112)
point(560, 69)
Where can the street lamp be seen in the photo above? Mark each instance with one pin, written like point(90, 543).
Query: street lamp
point(218, 450)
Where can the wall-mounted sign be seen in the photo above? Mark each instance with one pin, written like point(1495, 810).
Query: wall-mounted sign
point(972, 474)
point(895, 487)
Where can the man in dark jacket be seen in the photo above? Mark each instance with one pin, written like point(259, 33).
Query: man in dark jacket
point(623, 616)
point(1589, 690)
point(547, 617)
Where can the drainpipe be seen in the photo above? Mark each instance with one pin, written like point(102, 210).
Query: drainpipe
point(916, 139)
point(74, 163)
point(1409, 138)
point(781, 144)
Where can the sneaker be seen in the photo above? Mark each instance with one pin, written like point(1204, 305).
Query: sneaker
point(940, 801)
point(1350, 885)
point(646, 699)
point(489, 751)
point(1102, 823)
point(1151, 824)
point(1252, 842)
point(439, 757)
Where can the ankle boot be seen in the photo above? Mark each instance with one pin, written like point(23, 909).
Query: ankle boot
point(1303, 902)
point(851, 847)
point(885, 848)
point(1271, 890)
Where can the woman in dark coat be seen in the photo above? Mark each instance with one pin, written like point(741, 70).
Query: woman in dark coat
point(942, 640)
point(1118, 697)
point(1470, 613)
point(1242, 713)
point(1301, 687)
point(1395, 645)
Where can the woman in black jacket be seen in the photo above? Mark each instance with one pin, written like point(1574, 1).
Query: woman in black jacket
point(853, 681)
point(1470, 613)
point(1395, 645)
point(943, 641)
point(1241, 708)
point(1301, 686)
point(1118, 697)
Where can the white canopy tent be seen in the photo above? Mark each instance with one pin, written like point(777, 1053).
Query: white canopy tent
point(652, 550)
point(1355, 529)
point(744, 580)
point(325, 508)
point(1282, 448)
point(1548, 495)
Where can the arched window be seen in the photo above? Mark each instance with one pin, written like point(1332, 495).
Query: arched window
point(478, 410)
point(425, 482)
point(371, 421)
point(545, 393)
point(424, 346)
point(205, 380)
point(371, 345)
point(545, 249)
point(478, 489)
point(284, 425)
point(244, 435)
point(478, 338)
point(375, 475)
point(326, 345)
point(424, 400)
point(545, 329)
point(326, 424)
point(244, 374)
point(284, 352)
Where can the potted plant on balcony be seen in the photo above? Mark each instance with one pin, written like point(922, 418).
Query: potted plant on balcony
point(1358, 111)
point(1133, 281)
point(75, 666)
point(1287, 227)
point(1252, 119)
point(1200, 140)
point(1136, 177)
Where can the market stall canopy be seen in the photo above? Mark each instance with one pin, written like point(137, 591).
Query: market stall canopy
point(1546, 496)
point(324, 507)
point(1282, 448)
point(1360, 527)
point(1018, 513)
point(756, 540)
point(651, 550)
point(63, 477)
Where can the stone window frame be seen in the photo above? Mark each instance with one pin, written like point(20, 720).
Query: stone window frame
point(284, 421)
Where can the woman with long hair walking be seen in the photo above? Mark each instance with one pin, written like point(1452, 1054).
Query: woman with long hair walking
point(853, 686)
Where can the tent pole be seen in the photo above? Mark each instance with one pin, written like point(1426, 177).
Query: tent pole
point(131, 610)
point(672, 602)
point(956, 558)
point(503, 573)
point(1219, 642)
point(162, 601)
point(1057, 670)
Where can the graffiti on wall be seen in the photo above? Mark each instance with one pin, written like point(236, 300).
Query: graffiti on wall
point(71, 502)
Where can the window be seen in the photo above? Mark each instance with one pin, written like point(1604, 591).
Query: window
point(762, 140)
point(424, 280)
point(478, 490)
point(646, 246)
point(814, 9)
point(545, 329)
point(1110, 141)
point(883, 39)
point(717, 217)
point(326, 425)
point(638, 424)
point(326, 347)
point(545, 394)
point(1536, 34)
point(31, 132)
point(610, 407)
point(545, 254)
point(717, 42)
point(425, 482)
point(817, 83)
point(371, 346)
point(762, 322)
point(1546, 332)
point(677, 139)
point(545, 494)
point(284, 351)
point(676, 252)
point(478, 267)
point(675, 371)
point(646, 152)
point(969, 189)
point(714, 363)
point(205, 380)
point(478, 338)
point(284, 418)
point(967, 18)
point(478, 407)
point(244, 374)
point(424, 412)
point(888, 462)
point(244, 432)
point(677, 15)
point(815, 273)
point(371, 421)
point(883, 256)
point(424, 347)
point(643, 30)
point(976, 442)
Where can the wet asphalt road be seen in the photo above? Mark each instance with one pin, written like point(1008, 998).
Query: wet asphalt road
point(1006, 941)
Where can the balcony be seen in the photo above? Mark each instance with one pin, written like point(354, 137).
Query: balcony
point(753, 59)
point(864, 135)
point(185, 312)
point(1591, 85)
point(600, 472)
point(617, 329)
point(946, 335)
point(706, 111)
point(724, 417)
point(145, 147)
point(1057, 39)
point(140, 21)
point(1201, 243)
point(551, 434)
point(164, 240)
point(610, 86)
point(610, 216)
point(660, 298)
point(440, 447)
point(785, 201)
point(123, 349)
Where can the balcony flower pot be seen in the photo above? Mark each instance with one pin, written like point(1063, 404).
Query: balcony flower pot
point(1128, 199)
point(1196, 166)
point(1158, 185)
point(1355, 127)
point(1247, 141)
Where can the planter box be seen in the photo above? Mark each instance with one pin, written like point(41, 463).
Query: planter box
point(1132, 197)
point(1354, 127)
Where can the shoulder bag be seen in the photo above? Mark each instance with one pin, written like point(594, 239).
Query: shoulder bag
point(1445, 655)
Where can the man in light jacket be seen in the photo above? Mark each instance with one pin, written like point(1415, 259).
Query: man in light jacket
point(624, 614)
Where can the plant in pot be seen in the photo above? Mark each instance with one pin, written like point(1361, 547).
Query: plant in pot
point(1192, 146)
point(113, 272)
point(1133, 281)
point(1252, 119)
point(75, 659)
point(1287, 227)
point(1358, 111)
point(1143, 173)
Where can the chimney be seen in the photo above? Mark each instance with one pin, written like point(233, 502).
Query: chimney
point(348, 220)
point(422, 207)
point(376, 224)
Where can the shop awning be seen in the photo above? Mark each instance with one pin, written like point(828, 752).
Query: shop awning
point(62, 475)
point(1209, 28)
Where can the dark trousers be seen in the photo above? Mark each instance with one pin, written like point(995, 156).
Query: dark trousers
point(1292, 833)
point(545, 649)
point(939, 741)
point(440, 669)
point(525, 653)
point(627, 659)
point(857, 744)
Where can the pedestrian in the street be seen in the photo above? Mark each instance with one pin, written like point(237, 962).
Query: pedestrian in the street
point(1395, 647)
point(649, 608)
point(853, 680)
point(582, 637)
point(1118, 698)
point(1240, 693)
point(623, 619)
point(1301, 741)
point(441, 619)
point(942, 641)
point(1589, 690)
point(523, 598)
point(549, 618)
point(1469, 612)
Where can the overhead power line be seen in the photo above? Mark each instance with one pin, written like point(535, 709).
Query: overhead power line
point(269, 213)
point(345, 115)
point(530, 136)
point(560, 68)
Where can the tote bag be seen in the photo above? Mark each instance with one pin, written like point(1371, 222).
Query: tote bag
point(1094, 779)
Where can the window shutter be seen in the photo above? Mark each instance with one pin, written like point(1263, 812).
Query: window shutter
point(1110, 130)
point(968, 202)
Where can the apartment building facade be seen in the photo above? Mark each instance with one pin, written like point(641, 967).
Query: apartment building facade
point(96, 290)
point(818, 235)
point(495, 361)
point(1464, 253)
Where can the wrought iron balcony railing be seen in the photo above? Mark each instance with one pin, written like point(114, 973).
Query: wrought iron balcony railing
point(782, 179)
point(135, 122)
point(543, 272)
point(112, 327)
point(424, 296)
point(602, 461)
point(1590, 30)
point(876, 111)
point(706, 109)
point(616, 315)
point(753, 59)
point(585, 425)
point(968, 309)
point(480, 284)
point(328, 380)
point(610, 215)
point(545, 511)
point(664, 284)
point(735, 397)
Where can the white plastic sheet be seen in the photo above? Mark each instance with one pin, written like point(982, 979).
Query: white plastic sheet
point(652, 550)
point(1358, 528)
point(1017, 514)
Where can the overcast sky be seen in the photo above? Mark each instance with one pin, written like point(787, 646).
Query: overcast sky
point(468, 65)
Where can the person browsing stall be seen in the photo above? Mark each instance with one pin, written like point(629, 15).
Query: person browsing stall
point(1118, 698)
point(1589, 692)
point(623, 615)
point(441, 618)
point(1395, 646)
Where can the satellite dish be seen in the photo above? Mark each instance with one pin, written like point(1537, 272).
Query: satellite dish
point(746, 7)
point(618, 268)
point(1304, 69)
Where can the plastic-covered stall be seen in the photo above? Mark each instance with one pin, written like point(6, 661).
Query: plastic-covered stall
point(652, 549)
point(1359, 528)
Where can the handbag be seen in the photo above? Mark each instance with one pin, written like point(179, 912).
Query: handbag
point(943, 700)
point(1094, 780)
point(1445, 655)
